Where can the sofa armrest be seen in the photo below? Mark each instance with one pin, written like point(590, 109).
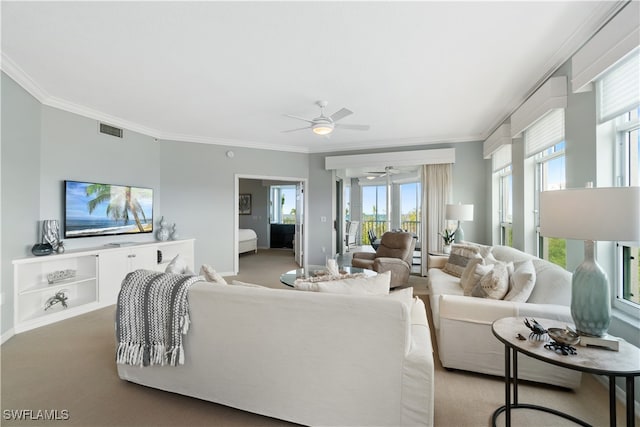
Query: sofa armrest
point(437, 261)
point(364, 255)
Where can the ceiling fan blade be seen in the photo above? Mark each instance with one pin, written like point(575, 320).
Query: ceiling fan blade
point(340, 114)
point(353, 127)
point(299, 118)
point(296, 129)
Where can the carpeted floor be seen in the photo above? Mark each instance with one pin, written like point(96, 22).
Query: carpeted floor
point(69, 366)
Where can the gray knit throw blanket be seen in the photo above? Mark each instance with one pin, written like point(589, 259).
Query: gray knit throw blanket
point(152, 314)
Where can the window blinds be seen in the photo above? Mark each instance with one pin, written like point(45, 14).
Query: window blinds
point(619, 88)
point(545, 133)
point(501, 158)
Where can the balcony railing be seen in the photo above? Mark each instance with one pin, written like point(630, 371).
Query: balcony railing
point(379, 227)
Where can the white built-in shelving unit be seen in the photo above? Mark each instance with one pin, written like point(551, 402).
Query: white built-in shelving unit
point(99, 274)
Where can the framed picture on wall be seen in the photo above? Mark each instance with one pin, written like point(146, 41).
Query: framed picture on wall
point(245, 204)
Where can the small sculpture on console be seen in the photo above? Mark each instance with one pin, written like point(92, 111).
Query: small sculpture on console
point(163, 232)
point(59, 297)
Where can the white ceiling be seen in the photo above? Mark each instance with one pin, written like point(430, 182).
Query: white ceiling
point(227, 72)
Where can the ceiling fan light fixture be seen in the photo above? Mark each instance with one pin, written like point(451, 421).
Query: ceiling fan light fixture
point(322, 128)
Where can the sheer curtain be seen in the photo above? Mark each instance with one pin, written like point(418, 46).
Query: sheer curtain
point(437, 185)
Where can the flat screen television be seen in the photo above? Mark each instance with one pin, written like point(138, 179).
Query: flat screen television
point(93, 209)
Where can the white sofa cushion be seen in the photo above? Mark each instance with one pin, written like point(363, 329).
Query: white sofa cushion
point(553, 284)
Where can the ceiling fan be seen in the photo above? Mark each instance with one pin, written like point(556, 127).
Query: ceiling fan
point(388, 171)
point(324, 125)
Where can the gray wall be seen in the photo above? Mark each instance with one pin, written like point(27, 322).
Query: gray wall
point(21, 116)
point(193, 183)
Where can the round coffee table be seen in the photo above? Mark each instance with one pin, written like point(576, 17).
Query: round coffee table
point(290, 276)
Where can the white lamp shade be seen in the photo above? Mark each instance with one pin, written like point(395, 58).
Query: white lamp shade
point(459, 212)
point(599, 214)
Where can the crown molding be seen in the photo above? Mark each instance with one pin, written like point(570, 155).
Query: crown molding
point(14, 71)
point(29, 84)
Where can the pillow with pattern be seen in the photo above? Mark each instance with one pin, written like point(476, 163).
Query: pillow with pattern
point(473, 272)
point(494, 284)
point(460, 256)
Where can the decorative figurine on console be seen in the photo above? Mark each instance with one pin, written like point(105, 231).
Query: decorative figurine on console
point(537, 330)
point(59, 297)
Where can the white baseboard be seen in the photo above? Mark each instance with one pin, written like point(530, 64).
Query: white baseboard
point(4, 337)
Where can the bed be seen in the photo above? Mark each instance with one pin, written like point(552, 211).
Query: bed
point(247, 240)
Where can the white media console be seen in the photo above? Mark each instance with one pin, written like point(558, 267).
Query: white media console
point(98, 275)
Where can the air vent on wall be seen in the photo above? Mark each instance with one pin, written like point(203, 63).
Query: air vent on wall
point(110, 130)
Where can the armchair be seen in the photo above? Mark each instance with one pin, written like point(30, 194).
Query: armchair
point(394, 254)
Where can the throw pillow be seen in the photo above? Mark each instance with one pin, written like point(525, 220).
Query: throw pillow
point(178, 266)
point(373, 285)
point(494, 284)
point(521, 282)
point(459, 258)
point(211, 275)
point(473, 272)
point(483, 250)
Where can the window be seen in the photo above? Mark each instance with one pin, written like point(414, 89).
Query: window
point(374, 209)
point(283, 204)
point(618, 95)
point(503, 178)
point(628, 131)
point(347, 203)
point(544, 140)
point(550, 175)
point(505, 191)
point(410, 207)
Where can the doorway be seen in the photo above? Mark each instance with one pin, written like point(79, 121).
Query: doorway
point(262, 211)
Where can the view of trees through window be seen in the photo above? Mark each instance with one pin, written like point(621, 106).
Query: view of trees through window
point(550, 174)
point(374, 209)
point(283, 204)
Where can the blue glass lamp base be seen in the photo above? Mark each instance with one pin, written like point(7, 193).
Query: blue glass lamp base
point(459, 236)
point(590, 296)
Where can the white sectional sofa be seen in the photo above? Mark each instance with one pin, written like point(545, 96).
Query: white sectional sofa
point(463, 323)
point(306, 357)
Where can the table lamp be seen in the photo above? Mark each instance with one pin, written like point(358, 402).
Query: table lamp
point(459, 213)
point(591, 214)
